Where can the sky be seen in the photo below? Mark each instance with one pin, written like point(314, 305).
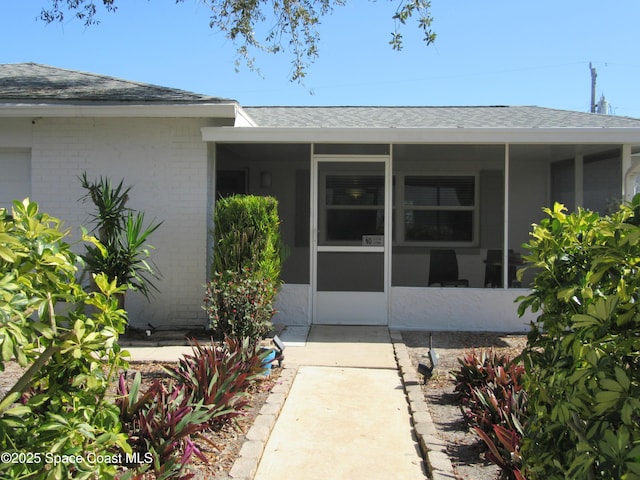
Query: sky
point(491, 52)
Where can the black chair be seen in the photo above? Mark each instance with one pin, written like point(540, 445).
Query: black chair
point(493, 269)
point(443, 269)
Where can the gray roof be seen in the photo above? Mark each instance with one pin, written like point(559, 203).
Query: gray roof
point(433, 117)
point(36, 83)
point(33, 83)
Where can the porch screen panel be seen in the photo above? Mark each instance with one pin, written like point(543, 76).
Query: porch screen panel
point(350, 272)
point(439, 208)
point(563, 183)
point(602, 191)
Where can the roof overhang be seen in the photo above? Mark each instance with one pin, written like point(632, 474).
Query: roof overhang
point(423, 135)
point(195, 110)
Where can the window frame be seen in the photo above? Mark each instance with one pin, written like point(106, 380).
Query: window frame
point(400, 209)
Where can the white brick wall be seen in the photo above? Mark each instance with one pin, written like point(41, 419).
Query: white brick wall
point(166, 162)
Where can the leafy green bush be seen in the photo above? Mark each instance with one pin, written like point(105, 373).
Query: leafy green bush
point(494, 404)
point(247, 259)
point(583, 355)
point(240, 304)
point(60, 404)
point(247, 236)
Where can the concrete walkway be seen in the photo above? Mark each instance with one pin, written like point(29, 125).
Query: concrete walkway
point(346, 415)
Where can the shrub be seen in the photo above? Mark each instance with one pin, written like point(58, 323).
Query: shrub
point(494, 405)
point(247, 236)
point(247, 258)
point(60, 404)
point(240, 304)
point(583, 354)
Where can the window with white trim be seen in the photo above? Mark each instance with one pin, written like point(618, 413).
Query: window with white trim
point(437, 209)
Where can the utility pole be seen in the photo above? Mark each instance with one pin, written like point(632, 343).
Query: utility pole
point(593, 88)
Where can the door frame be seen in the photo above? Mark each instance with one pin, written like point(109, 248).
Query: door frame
point(349, 299)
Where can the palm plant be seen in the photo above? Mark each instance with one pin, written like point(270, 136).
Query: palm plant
point(122, 253)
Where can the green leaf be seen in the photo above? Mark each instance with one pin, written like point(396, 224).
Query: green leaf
point(7, 254)
point(612, 385)
point(7, 348)
point(622, 378)
point(18, 410)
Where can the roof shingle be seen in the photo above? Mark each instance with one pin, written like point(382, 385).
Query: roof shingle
point(36, 83)
point(433, 117)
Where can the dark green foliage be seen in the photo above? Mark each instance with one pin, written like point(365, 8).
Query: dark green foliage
point(494, 404)
point(122, 253)
point(247, 236)
point(247, 259)
point(583, 354)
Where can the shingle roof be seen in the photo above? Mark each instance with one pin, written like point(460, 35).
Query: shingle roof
point(36, 83)
point(433, 117)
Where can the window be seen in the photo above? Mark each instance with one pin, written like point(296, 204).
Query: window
point(354, 207)
point(438, 209)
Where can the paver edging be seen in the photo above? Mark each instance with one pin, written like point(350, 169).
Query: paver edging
point(435, 457)
point(246, 465)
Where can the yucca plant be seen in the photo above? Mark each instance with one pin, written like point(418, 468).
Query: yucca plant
point(123, 254)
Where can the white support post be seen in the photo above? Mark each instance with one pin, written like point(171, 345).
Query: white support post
point(388, 228)
point(505, 249)
point(629, 172)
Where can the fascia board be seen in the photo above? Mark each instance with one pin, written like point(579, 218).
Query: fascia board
point(207, 110)
point(423, 135)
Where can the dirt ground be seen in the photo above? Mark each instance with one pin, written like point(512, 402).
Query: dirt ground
point(465, 449)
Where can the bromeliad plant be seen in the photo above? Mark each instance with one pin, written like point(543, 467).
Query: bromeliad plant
point(122, 253)
point(161, 422)
point(207, 388)
point(220, 375)
point(494, 404)
point(583, 355)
